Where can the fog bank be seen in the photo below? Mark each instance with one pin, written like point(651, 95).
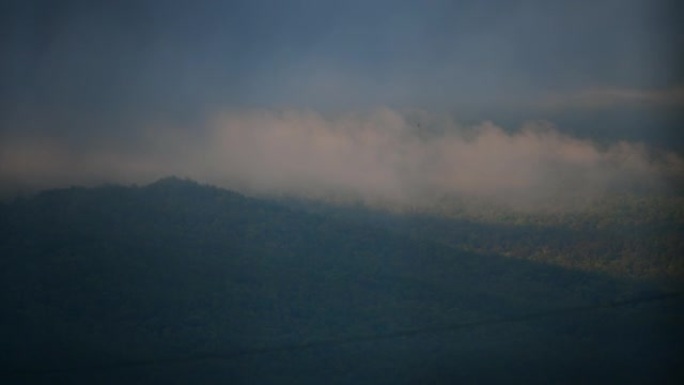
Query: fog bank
point(385, 156)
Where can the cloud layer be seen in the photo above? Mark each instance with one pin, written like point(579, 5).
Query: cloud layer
point(407, 159)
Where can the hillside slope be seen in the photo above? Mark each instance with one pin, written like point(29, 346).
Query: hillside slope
point(124, 280)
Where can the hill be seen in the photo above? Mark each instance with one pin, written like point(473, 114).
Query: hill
point(176, 282)
point(628, 235)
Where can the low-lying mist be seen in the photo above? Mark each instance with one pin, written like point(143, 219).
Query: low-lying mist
point(383, 157)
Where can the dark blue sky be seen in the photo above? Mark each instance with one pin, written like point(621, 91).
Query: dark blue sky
point(145, 55)
point(85, 71)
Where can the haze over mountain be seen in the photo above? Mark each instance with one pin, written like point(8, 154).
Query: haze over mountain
point(383, 157)
point(537, 101)
point(513, 170)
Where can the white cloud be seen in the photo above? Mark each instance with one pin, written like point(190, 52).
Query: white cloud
point(377, 157)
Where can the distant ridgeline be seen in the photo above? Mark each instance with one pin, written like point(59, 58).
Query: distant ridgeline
point(637, 236)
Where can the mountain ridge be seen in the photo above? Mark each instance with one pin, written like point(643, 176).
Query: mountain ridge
point(175, 268)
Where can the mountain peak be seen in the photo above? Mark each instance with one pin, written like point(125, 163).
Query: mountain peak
point(173, 181)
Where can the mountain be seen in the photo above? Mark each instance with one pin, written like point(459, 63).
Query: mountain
point(636, 236)
point(176, 282)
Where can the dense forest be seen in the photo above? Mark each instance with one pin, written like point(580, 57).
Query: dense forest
point(176, 282)
point(623, 235)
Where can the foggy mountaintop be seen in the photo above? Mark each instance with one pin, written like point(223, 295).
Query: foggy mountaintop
point(341, 192)
point(380, 157)
point(398, 103)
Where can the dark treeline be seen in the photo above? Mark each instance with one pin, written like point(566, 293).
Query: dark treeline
point(640, 237)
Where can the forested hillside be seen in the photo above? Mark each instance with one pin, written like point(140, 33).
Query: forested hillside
point(177, 282)
point(640, 237)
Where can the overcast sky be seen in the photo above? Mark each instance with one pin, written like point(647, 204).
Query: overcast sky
point(82, 80)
